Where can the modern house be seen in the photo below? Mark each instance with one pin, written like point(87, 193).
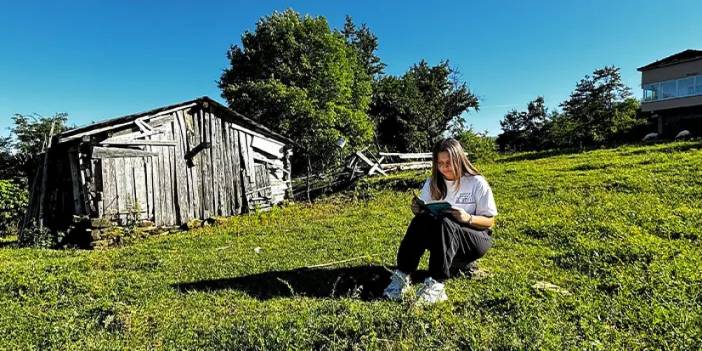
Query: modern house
point(672, 92)
point(192, 160)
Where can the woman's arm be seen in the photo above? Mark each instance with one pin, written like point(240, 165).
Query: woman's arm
point(476, 222)
point(482, 222)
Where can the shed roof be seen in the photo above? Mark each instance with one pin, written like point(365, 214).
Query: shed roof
point(118, 121)
point(683, 56)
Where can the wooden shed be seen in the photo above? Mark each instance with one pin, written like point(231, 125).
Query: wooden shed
point(193, 160)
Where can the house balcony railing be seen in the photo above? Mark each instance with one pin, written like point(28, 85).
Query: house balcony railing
point(672, 89)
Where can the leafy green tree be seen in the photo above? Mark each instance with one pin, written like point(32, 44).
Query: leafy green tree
point(19, 158)
point(297, 76)
point(413, 111)
point(7, 157)
point(365, 43)
point(600, 107)
point(28, 138)
point(522, 130)
point(559, 131)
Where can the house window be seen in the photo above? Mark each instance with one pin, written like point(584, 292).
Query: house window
point(698, 85)
point(668, 89)
point(651, 92)
point(686, 86)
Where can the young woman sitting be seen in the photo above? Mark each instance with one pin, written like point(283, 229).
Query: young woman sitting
point(460, 234)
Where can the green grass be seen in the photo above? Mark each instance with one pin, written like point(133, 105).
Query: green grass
point(618, 229)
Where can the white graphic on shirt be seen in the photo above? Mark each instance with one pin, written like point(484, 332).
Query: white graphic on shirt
point(465, 198)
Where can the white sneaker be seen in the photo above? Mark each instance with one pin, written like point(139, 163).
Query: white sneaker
point(399, 285)
point(431, 292)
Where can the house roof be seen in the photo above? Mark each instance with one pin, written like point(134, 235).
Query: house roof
point(119, 121)
point(683, 56)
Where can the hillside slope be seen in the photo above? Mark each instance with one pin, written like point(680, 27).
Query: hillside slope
point(617, 232)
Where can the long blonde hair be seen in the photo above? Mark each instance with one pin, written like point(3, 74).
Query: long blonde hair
point(459, 164)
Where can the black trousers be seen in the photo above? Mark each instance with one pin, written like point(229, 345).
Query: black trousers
point(445, 239)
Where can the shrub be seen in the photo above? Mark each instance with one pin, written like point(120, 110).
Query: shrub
point(13, 204)
point(479, 146)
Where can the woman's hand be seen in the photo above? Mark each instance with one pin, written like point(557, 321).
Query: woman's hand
point(416, 209)
point(459, 214)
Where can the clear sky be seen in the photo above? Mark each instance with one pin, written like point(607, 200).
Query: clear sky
point(101, 59)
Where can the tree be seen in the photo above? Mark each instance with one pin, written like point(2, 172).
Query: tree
point(29, 136)
point(522, 130)
point(297, 76)
point(600, 107)
point(365, 43)
point(7, 170)
point(18, 163)
point(413, 111)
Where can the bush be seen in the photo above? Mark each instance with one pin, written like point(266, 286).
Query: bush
point(479, 146)
point(13, 204)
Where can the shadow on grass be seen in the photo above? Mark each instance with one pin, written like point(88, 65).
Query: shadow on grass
point(362, 282)
point(400, 184)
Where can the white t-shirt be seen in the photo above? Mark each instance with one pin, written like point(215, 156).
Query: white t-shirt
point(474, 195)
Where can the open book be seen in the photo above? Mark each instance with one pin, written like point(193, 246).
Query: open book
point(435, 207)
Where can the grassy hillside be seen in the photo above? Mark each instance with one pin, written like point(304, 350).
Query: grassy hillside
point(618, 231)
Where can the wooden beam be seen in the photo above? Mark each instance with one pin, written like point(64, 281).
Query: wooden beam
point(251, 132)
point(406, 166)
point(142, 142)
point(114, 152)
point(203, 145)
point(119, 125)
point(130, 136)
point(375, 166)
point(268, 146)
point(406, 155)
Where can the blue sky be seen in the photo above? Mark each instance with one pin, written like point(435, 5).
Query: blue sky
point(100, 59)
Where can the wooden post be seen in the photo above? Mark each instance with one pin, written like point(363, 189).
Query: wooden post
point(309, 170)
point(44, 176)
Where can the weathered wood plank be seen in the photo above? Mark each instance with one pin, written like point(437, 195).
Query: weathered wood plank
point(228, 168)
point(236, 176)
point(254, 133)
point(130, 196)
point(197, 168)
point(128, 136)
point(142, 142)
point(216, 171)
point(156, 186)
point(206, 168)
point(73, 165)
point(114, 152)
point(148, 184)
point(170, 176)
point(122, 193)
point(244, 170)
point(108, 188)
point(268, 146)
point(419, 155)
point(163, 185)
point(221, 169)
point(197, 149)
point(140, 187)
point(181, 171)
point(119, 125)
point(172, 187)
point(250, 165)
